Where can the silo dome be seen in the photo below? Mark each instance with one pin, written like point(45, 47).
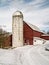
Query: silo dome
point(18, 13)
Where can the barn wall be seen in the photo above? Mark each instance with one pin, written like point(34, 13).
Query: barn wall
point(27, 31)
point(28, 34)
point(36, 33)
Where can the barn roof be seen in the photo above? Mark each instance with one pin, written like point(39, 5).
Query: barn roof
point(34, 27)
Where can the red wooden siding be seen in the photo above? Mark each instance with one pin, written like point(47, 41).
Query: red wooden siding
point(28, 34)
point(36, 33)
point(27, 31)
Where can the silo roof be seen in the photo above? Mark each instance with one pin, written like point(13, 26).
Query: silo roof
point(17, 13)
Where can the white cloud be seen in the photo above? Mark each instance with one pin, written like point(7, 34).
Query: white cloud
point(31, 12)
point(39, 16)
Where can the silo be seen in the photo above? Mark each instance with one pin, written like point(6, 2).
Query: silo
point(17, 29)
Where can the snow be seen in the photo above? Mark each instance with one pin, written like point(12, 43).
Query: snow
point(38, 40)
point(26, 55)
point(34, 27)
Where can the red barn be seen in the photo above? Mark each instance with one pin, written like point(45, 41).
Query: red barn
point(29, 33)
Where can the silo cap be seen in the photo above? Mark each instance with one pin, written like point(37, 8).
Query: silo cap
point(18, 13)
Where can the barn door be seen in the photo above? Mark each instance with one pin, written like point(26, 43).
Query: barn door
point(26, 42)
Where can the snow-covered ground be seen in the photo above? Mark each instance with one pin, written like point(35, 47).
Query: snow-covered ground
point(26, 55)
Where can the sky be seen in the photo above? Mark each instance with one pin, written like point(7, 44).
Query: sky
point(35, 12)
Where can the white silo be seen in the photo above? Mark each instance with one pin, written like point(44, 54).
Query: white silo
point(17, 29)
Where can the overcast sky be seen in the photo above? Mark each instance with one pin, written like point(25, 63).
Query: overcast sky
point(35, 12)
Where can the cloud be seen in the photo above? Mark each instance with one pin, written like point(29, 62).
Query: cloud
point(46, 23)
point(45, 4)
point(35, 11)
point(41, 3)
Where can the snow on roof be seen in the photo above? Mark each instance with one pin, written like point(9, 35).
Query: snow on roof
point(34, 27)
